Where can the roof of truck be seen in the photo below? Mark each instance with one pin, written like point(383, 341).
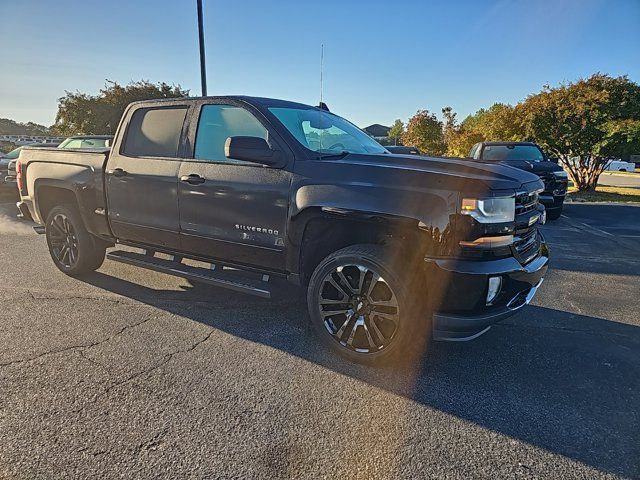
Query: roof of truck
point(264, 101)
point(509, 143)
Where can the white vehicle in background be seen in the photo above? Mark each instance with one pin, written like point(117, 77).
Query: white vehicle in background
point(620, 166)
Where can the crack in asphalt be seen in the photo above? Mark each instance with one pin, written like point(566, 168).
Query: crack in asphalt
point(77, 347)
point(166, 359)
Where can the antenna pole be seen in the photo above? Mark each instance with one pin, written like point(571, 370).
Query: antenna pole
point(321, 68)
point(203, 70)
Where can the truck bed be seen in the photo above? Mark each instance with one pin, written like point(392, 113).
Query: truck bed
point(80, 171)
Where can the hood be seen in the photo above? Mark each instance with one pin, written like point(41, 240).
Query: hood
point(492, 176)
point(535, 167)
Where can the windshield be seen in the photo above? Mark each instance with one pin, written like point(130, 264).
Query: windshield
point(324, 132)
point(498, 153)
point(13, 154)
point(85, 143)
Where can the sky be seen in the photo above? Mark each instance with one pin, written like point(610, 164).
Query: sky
point(382, 59)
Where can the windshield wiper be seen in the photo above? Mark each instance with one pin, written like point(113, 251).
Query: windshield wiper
point(337, 155)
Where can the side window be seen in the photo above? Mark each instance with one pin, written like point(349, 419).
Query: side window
point(154, 132)
point(219, 122)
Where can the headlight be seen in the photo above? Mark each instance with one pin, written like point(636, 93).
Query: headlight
point(490, 210)
point(561, 174)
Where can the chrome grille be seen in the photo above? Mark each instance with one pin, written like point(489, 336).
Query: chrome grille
point(526, 202)
point(526, 242)
point(526, 245)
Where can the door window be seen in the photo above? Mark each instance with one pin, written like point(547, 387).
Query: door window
point(155, 132)
point(219, 122)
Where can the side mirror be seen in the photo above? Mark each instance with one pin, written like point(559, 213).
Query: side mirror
point(554, 160)
point(254, 150)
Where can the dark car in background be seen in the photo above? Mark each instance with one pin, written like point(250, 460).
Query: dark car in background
point(530, 157)
point(402, 150)
point(7, 175)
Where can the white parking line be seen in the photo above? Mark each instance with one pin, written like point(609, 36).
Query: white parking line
point(590, 227)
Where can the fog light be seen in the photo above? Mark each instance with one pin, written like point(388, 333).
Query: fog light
point(495, 284)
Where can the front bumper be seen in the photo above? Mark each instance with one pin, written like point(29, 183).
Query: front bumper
point(551, 202)
point(462, 313)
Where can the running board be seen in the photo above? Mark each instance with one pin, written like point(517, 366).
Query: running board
point(217, 277)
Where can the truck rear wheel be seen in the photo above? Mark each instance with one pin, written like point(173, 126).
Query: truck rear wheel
point(73, 250)
point(362, 306)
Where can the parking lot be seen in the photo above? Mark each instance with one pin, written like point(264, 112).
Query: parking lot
point(130, 373)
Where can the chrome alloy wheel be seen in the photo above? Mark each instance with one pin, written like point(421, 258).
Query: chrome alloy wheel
point(64, 241)
point(359, 308)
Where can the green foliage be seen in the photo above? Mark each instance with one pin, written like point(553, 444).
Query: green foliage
point(500, 122)
point(84, 114)
point(584, 123)
point(458, 139)
point(621, 139)
point(10, 127)
point(461, 141)
point(425, 131)
point(396, 131)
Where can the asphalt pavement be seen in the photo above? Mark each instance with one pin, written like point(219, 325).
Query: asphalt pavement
point(135, 374)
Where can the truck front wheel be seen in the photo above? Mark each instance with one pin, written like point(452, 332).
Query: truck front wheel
point(73, 250)
point(366, 306)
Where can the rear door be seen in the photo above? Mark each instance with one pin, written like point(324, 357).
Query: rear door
point(230, 209)
point(142, 176)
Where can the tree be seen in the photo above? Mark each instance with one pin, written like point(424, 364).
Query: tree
point(11, 127)
point(81, 113)
point(501, 122)
point(621, 139)
point(425, 131)
point(460, 142)
point(584, 123)
point(458, 139)
point(396, 131)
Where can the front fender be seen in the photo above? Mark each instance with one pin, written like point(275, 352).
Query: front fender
point(429, 213)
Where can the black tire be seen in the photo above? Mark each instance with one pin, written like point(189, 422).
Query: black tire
point(73, 250)
point(359, 332)
point(554, 214)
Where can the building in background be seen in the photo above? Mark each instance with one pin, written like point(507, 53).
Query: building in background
point(378, 132)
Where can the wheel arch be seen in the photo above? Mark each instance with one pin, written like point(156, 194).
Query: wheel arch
point(318, 231)
point(52, 192)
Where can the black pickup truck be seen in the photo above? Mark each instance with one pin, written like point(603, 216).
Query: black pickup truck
point(231, 191)
point(530, 157)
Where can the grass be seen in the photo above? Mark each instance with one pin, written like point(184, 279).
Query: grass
point(605, 194)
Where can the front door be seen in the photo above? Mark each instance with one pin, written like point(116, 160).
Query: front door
point(229, 209)
point(142, 177)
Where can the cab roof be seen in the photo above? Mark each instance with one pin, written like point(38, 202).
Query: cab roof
point(509, 143)
point(262, 101)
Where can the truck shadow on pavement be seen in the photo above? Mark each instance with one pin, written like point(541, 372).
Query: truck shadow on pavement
point(567, 383)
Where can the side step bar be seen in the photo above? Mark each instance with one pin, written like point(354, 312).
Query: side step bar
point(218, 277)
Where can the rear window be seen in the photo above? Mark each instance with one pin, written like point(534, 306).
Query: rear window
point(154, 132)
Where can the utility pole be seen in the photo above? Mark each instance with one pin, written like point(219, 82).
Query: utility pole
point(203, 68)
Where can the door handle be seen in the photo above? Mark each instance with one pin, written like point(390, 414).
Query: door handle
point(117, 172)
point(192, 179)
